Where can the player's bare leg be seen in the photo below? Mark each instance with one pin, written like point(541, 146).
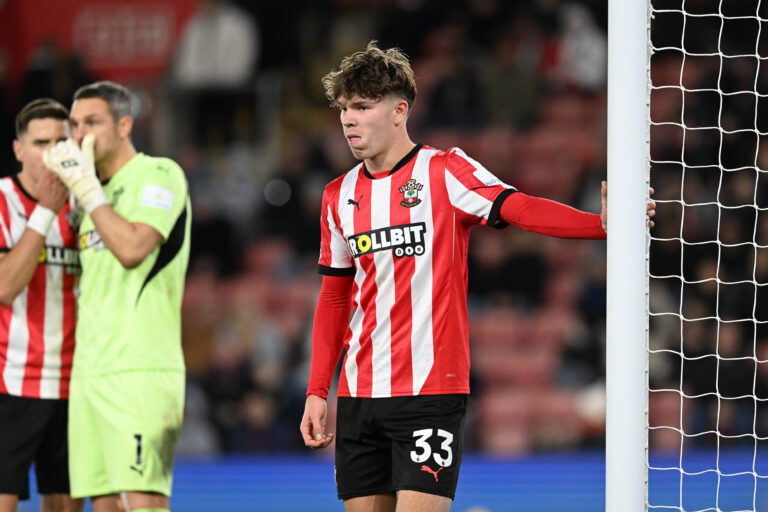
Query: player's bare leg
point(60, 503)
point(137, 500)
point(8, 502)
point(107, 503)
point(375, 503)
point(414, 501)
point(130, 500)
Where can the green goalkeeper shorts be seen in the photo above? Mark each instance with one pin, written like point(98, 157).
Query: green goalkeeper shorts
point(122, 432)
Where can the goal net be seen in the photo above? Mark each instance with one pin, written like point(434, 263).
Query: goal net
point(708, 256)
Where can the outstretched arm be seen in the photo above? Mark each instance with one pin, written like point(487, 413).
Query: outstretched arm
point(550, 217)
point(556, 219)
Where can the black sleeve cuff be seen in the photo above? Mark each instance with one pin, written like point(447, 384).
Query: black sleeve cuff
point(494, 218)
point(333, 271)
point(5, 249)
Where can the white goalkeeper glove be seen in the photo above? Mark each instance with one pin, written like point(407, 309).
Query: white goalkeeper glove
point(75, 167)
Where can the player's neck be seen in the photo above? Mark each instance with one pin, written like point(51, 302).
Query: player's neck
point(28, 183)
point(114, 163)
point(386, 160)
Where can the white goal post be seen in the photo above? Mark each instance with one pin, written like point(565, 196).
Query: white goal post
point(626, 311)
point(687, 308)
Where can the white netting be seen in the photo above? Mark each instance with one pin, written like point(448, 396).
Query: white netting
point(708, 267)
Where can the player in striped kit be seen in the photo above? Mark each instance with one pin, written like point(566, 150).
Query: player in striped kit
point(38, 270)
point(395, 232)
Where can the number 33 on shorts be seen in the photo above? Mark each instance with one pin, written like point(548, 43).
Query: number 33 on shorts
point(424, 450)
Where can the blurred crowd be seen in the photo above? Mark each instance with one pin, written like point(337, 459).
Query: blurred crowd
point(519, 86)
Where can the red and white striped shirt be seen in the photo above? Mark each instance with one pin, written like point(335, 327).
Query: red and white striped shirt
point(405, 237)
point(37, 332)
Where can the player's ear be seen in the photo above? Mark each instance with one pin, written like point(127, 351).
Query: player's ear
point(401, 111)
point(124, 126)
point(17, 151)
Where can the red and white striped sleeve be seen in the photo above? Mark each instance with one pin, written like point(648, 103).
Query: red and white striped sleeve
point(474, 190)
point(335, 256)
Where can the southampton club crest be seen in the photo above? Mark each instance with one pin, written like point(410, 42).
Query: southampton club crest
point(410, 193)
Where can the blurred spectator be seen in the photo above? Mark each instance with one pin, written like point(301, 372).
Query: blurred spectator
point(213, 69)
point(219, 48)
point(8, 164)
point(456, 100)
point(511, 85)
point(293, 198)
point(583, 58)
point(197, 436)
point(495, 265)
point(214, 241)
point(53, 73)
point(227, 381)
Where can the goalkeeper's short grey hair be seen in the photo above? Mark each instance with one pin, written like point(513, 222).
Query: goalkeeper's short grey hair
point(117, 97)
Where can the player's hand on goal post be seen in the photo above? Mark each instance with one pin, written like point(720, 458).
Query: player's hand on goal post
point(651, 207)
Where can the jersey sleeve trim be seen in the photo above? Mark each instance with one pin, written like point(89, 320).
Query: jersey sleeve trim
point(494, 218)
point(334, 271)
point(169, 249)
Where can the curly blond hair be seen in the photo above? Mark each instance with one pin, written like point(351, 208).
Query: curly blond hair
point(372, 73)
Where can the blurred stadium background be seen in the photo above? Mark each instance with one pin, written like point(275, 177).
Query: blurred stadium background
point(231, 90)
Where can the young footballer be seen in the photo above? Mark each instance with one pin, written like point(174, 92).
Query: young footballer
point(395, 231)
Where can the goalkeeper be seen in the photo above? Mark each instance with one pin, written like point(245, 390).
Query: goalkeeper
point(127, 394)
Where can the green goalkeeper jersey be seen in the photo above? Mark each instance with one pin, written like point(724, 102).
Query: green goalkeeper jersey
point(130, 319)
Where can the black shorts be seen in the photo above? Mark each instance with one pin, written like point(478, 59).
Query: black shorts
point(384, 445)
point(33, 430)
